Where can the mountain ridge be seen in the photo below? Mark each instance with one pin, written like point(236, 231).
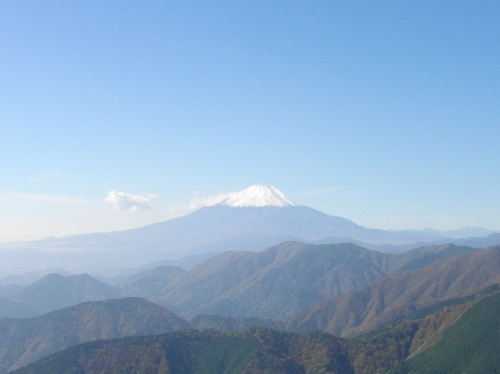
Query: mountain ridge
point(26, 340)
point(253, 219)
point(438, 343)
point(394, 296)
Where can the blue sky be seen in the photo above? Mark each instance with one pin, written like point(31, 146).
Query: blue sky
point(383, 112)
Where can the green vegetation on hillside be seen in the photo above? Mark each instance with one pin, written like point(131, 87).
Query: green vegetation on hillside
point(398, 295)
point(415, 309)
point(26, 340)
point(275, 283)
point(209, 351)
point(472, 345)
point(420, 257)
point(222, 323)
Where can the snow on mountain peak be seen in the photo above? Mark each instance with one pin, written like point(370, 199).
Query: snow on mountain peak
point(258, 196)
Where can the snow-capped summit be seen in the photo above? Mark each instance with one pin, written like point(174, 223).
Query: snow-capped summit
point(258, 196)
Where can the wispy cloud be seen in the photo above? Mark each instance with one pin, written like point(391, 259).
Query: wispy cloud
point(126, 201)
point(16, 198)
point(199, 202)
point(319, 191)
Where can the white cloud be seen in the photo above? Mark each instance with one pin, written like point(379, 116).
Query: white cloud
point(25, 216)
point(126, 201)
point(199, 202)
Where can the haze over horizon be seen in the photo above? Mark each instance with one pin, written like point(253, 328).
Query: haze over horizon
point(121, 114)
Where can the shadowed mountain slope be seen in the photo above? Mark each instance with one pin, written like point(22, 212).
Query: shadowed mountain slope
point(55, 291)
point(274, 283)
point(260, 350)
point(151, 283)
point(398, 294)
point(277, 282)
point(421, 257)
point(14, 309)
point(26, 340)
point(249, 351)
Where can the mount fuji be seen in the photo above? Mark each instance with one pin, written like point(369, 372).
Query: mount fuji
point(258, 196)
point(253, 219)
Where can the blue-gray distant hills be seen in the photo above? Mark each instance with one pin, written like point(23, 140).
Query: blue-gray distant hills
point(254, 219)
point(25, 340)
point(440, 302)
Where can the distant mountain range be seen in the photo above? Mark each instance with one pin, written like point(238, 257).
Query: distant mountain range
point(282, 281)
point(458, 339)
point(341, 289)
point(404, 304)
point(276, 282)
point(253, 219)
point(25, 340)
point(399, 294)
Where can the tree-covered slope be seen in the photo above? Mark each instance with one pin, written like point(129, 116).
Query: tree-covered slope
point(199, 352)
point(420, 257)
point(399, 294)
point(277, 282)
point(223, 323)
point(150, 284)
point(25, 340)
point(274, 283)
point(471, 345)
point(473, 340)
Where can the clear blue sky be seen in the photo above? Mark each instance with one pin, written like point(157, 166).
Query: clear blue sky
point(383, 112)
